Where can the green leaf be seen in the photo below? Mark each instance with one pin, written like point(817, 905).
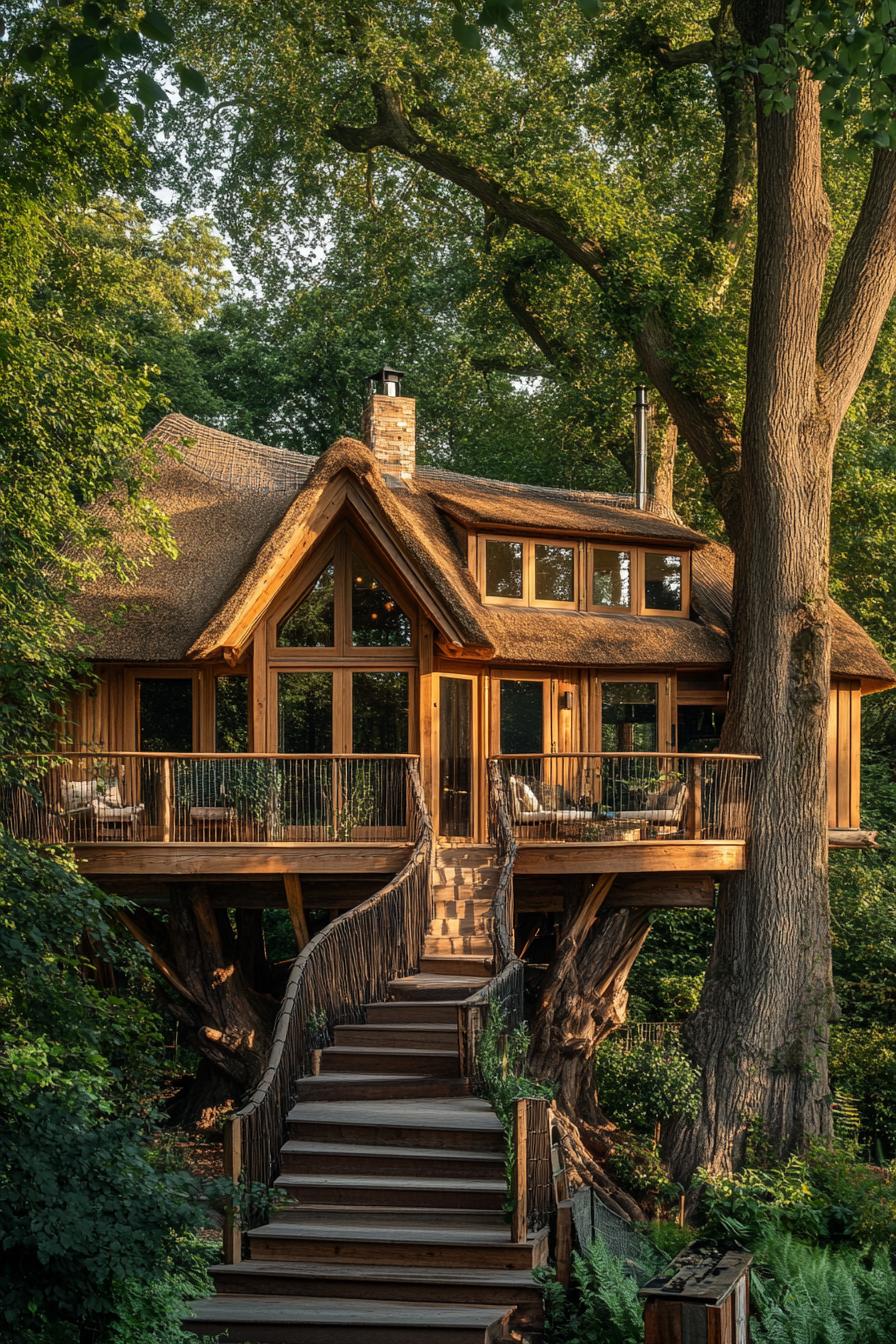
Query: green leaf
point(192, 79)
point(888, 64)
point(590, 8)
point(129, 43)
point(467, 35)
point(155, 25)
point(84, 49)
point(148, 91)
point(137, 115)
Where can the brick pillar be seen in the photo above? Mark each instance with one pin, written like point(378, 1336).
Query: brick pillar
point(390, 425)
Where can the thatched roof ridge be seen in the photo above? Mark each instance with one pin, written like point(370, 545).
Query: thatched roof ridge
point(478, 502)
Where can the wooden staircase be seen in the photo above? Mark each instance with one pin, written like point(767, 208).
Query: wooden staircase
point(395, 1230)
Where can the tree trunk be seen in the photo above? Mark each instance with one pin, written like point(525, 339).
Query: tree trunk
point(583, 999)
point(227, 1020)
point(761, 1030)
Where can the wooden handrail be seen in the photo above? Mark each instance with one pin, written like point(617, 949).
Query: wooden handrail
point(104, 753)
point(624, 755)
point(344, 966)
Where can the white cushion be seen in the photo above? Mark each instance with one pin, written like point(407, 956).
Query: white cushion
point(78, 794)
point(104, 811)
point(524, 797)
point(568, 814)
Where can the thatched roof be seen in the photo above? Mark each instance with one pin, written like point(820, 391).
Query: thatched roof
point(480, 503)
point(238, 511)
point(853, 652)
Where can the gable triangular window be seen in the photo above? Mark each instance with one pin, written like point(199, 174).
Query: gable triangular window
point(377, 619)
point(311, 623)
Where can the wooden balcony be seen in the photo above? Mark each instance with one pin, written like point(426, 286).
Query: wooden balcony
point(627, 812)
point(201, 814)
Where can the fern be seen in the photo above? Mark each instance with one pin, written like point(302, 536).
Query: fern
point(815, 1295)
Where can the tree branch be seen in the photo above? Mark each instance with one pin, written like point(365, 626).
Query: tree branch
point(863, 289)
point(702, 419)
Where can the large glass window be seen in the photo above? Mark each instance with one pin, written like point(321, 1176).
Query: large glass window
point(555, 575)
point(305, 712)
point(521, 717)
point(611, 578)
point(504, 569)
point(232, 713)
point(311, 623)
point(662, 581)
point(165, 714)
point(377, 619)
point(629, 715)
point(379, 712)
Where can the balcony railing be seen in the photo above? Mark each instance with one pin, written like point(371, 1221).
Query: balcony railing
point(625, 796)
point(84, 798)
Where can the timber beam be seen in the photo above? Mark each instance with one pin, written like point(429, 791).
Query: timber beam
point(189, 860)
point(639, 856)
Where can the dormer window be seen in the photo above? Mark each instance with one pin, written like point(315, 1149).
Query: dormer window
point(527, 572)
point(663, 581)
point(504, 569)
point(611, 579)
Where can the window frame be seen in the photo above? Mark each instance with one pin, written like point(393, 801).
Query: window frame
point(602, 608)
point(529, 545)
point(684, 610)
point(342, 651)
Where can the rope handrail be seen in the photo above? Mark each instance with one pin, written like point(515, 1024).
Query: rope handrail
point(347, 964)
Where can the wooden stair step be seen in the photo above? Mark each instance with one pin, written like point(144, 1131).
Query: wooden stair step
point(457, 965)
point(405, 1237)
point(464, 944)
point(298, 1155)
point(436, 1011)
point(355, 1085)
point(463, 1122)
point(400, 1035)
point(394, 1191)
point(255, 1319)
point(379, 1059)
point(438, 986)
point(409, 1283)
point(460, 926)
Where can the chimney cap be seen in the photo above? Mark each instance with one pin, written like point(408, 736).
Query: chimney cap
point(386, 381)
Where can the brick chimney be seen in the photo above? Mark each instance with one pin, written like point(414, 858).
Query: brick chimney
point(390, 423)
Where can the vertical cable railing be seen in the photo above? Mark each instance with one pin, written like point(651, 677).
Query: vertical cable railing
point(585, 797)
point(349, 963)
point(195, 798)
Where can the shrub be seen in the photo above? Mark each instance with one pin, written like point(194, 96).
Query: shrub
point(826, 1196)
point(863, 1064)
point(646, 1085)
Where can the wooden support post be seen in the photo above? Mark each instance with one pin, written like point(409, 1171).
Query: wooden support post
point(295, 904)
point(695, 809)
point(233, 1165)
point(563, 1245)
point(166, 799)
point(520, 1227)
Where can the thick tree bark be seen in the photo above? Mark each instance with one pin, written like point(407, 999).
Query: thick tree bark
point(583, 999)
point(761, 1031)
point(227, 1020)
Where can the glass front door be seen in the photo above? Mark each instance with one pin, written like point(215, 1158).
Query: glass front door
point(455, 756)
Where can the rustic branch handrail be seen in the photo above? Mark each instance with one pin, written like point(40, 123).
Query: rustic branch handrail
point(347, 964)
point(611, 796)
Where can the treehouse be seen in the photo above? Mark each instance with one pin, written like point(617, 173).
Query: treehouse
point(329, 620)
point(423, 712)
